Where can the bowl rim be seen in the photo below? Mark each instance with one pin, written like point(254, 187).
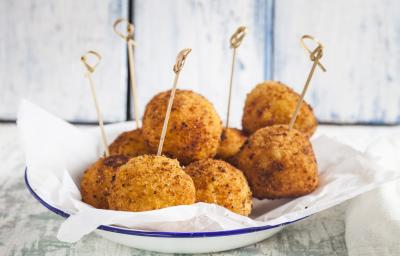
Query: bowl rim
point(128, 231)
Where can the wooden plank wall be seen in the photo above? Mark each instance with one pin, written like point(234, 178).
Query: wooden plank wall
point(362, 40)
point(165, 27)
point(41, 42)
point(362, 54)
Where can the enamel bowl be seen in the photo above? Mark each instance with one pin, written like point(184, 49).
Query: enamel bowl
point(174, 242)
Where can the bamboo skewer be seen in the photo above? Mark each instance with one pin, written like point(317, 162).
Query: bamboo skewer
point(236, 40)
point(131, 43)
point(315, 56)
point(180, 61)
point(90, 69)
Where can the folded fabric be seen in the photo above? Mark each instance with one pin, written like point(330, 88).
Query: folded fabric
point(373, 219)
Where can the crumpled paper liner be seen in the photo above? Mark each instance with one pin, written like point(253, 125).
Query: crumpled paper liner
point(57, 153)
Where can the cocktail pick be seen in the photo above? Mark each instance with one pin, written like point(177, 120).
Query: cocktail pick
point(129, 39)
point(236, 40)
point(90, 69)
point(315, 56)
point(180, 61)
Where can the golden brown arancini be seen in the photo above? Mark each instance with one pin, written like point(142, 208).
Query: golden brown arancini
point(220, 183)
point(232, 140)
point(150, 182)
point(130, 143)
point(96, 180)
point(271, 103)
point(279, 163)
point(194, 127)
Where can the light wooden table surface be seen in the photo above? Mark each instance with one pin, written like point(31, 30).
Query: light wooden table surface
point(27, 228)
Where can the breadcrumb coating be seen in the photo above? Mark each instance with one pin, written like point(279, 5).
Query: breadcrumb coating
point(130, 143)
point(232, 140)
point(220, 183)
point(279, 163)
point(150, 182)
point(271, 103)
point(96, 180)
point(194, 128)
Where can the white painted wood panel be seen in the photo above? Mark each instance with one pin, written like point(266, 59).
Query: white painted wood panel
point(362, 56)
point(165, 27)
point(41, 43)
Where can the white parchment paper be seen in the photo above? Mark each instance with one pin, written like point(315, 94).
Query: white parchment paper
point(57, 153)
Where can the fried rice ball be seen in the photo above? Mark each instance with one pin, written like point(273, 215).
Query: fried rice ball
point(96, 181)
point(130, 143)
point(272, 103)
point(220, 183)
point(279, 163)
point(194, 127)
point(150, 182)
point(232, 140)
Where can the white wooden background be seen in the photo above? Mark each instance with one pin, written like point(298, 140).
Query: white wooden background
point(41, 41)
point(165, 27)
point(362, 41)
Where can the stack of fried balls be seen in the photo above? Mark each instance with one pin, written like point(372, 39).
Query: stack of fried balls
point(202, 161)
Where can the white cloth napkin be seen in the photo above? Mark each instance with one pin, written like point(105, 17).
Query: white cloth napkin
point(373, 219)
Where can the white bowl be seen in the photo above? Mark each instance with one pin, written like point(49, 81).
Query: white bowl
point(175, 242)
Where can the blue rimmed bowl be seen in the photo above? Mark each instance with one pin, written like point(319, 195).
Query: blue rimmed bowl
point(174, 242)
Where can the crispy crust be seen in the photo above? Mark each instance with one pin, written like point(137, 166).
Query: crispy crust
point(271, 103)
point(219, 182)
point(130, 143)
point(279, 163)
point(194, 128)
point(150, 182)
point(96, 180)
point(232, 140)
